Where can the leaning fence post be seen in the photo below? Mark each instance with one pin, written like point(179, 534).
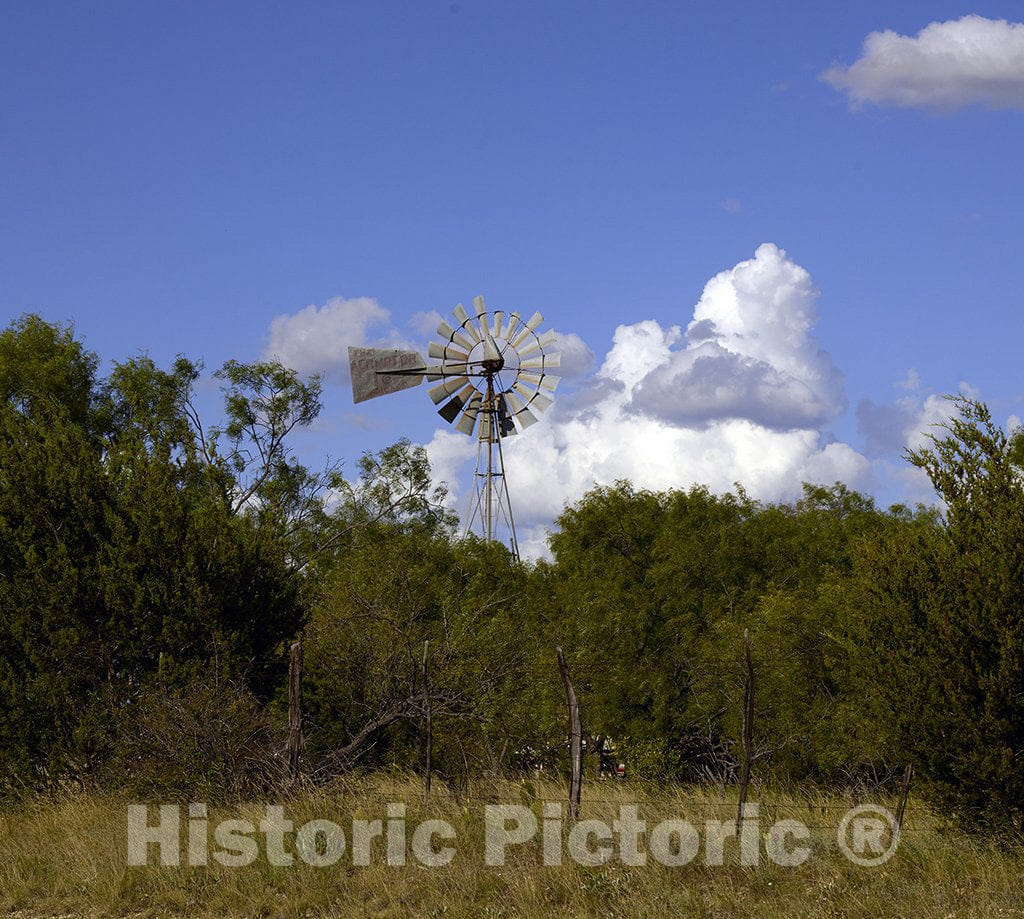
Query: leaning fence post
point(748, 729)
point(908, 775)
point(575, 740)
point(294, 708)
point(428, 744)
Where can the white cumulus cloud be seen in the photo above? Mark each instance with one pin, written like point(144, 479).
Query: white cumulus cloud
point(891, 429)
point(577, 358)
point(772, 391)
point(908, 423)
point(425, 322)
point(316, 339)
point(748, 353)
point(946, 66)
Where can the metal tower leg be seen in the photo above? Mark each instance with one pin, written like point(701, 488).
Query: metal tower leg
point(489, 505)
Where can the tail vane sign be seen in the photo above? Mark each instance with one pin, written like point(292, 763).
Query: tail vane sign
point(379, 371)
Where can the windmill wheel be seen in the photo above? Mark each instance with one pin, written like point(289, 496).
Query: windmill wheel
point(496, 368)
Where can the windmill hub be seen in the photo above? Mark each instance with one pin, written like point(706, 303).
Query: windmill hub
point(493, 366)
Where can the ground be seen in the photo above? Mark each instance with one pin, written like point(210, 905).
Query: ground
point(67, 855)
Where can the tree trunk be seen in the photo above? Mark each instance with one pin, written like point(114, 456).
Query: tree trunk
point(344, 756)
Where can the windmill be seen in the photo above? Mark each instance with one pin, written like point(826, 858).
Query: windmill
point(493, 373)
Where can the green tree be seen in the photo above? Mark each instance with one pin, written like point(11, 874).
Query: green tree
point(121, 550)
point(653, 594)
point(936, 618)
point(53, 523)
point(401, 586)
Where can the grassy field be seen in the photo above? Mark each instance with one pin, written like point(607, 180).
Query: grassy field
point(68, 856)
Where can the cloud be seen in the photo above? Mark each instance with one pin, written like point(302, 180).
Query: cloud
point(890, 429)
point(773, 391)
point(885, 427)
point(749, 354)
point(425, 322)
point(577, 358)
point(316, 339)
point(946, 66)
point(911, 382)
point(732, 205)
point(934, 412)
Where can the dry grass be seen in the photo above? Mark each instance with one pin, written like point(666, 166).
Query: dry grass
point(67, 856)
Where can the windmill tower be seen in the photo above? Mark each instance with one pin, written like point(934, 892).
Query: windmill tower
point(493, 373)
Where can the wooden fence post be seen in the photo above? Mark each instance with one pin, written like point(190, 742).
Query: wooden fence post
point(575, 740)
point(908, 775)
point(428, 745)
point(748, 729)
point(294, 709)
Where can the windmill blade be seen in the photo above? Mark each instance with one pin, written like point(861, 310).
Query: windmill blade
point(542, 362)
point(490, 349)
point(530, 348)
point(468, 419)
point(464, 321)
point(548, 338)
point(491, 352)
point(520, 412)
point(520, 337)
point(535, 320)
point(517, 404)
point(538, 344)
point(446, 331)
point(513, 320)
point(496, 325)
point(449, 387)
point(381, 371)
point(525, 418)
point(520, 388)
point(541, 380)
point(536, 398)
point(541, 402)
point(450, 410)
point(446, 352)
point(505, 426)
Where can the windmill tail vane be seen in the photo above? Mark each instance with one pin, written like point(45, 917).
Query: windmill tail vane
point(492, 377)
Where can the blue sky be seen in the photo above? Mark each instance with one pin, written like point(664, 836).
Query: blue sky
point(173, 177)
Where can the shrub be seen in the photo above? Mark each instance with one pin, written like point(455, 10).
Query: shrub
point(203, 743)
